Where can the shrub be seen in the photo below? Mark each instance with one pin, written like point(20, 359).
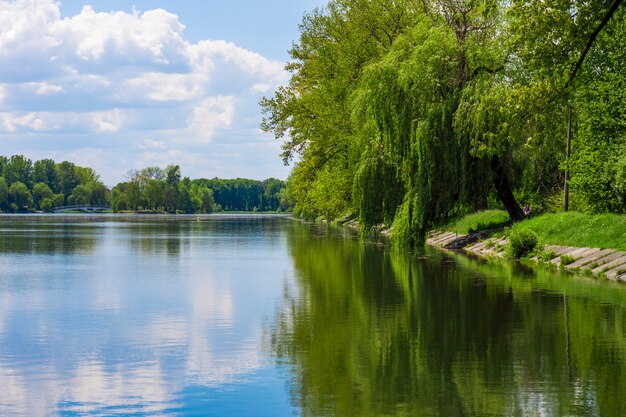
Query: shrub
point(521, 243)
point(546, 256)
point(566, 260)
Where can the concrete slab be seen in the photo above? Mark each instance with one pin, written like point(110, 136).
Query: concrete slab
point(585, 258)
point(560, 250)
point(445, 237)
point(591, 258)
point(609, 258)
point(616, 271)
point(610, 265)
point(481, 245)
point(573, 253)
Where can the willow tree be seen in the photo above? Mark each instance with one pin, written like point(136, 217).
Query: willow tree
point(427, 106)
point(312, 113)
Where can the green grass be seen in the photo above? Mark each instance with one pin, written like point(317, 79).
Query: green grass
point(605, 231)
point(481, 220)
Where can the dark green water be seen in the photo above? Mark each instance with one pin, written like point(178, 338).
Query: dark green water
point(265, 316)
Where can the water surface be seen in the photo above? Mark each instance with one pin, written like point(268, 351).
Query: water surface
point(266, 316)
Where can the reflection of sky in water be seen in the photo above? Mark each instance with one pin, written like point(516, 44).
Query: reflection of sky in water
point(140, 319)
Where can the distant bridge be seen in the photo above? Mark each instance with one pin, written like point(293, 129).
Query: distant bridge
point(85, 208)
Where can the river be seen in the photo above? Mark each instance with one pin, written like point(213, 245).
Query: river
point(266, 316)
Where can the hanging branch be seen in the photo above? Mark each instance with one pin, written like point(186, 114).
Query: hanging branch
point(592, 39)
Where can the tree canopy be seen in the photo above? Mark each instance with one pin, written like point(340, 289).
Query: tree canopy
point(406, 113)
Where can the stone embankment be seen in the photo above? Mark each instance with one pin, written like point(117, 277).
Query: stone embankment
point(599, 262)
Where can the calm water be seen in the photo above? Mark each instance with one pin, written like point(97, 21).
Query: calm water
point(264, 316)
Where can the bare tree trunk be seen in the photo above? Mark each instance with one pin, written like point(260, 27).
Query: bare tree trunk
point(504, 191)
point(567, 154)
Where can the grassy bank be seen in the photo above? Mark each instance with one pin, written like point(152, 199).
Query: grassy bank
point(605, 231)
point(481, 220)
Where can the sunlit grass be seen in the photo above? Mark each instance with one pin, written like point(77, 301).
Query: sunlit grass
point(579, 230)
point(481, 220)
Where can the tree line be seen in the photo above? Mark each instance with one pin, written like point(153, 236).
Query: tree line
point(409, 112)
point(157, 189)
point(44, 185)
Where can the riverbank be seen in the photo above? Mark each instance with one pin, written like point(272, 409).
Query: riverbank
point(589, 244)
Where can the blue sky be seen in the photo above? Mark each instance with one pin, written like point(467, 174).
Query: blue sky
point(119, 85)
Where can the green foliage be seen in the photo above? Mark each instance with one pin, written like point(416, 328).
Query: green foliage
point(44, 171)
point(20, 196)
point(461, 103)
point(521, 242)
point(18, 169)
point(159, 190)
point(40, 192)
point(4, 194)
point(46, 205)
point(546, 256)
point(67, 178)
point(81, 194)
point(565, 260)
point(376, 192)
point(620, 181)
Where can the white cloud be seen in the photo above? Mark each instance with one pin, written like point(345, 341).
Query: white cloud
point(111, 80)
point(165, 87)
point(45, 88)
point(212, 114)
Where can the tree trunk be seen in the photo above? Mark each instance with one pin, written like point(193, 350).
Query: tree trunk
point(567, 155)
point(504, 191)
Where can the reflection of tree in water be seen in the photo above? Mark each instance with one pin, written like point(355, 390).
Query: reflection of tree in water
point(46, 238)
point(158, 237)
point(374, 333)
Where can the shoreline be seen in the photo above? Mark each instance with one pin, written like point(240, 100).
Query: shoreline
point(596, 262)
point(134, 216)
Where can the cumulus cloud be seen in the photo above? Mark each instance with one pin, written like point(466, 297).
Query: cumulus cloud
point(133, 75)
point(212, 114)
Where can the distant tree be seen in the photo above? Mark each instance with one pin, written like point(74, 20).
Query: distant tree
point(80, 195)
point(153, 173)
point(44, 171)
point(18, 169)
point(172, 175)
point(202, 198)
point(67, 178)
point(99, 193)
point(59, 200)
point(86, 175)
point(20, 196)
point(185, 202)
point(119, 200)
point(46, 205)
point(153, 193)
point(4, 194)
point(272, 188)
point(40, 192)
point(3, 162)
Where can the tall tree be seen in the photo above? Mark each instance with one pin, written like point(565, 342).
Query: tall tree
point(18, 169)
point(44, 171)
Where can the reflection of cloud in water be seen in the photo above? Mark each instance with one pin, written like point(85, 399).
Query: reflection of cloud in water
point(198, 345)
point(13, 395)
point(213, 312)
point(93, 388)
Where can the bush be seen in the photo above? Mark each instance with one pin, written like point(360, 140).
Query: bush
point(566, 260)
point(521, 243)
